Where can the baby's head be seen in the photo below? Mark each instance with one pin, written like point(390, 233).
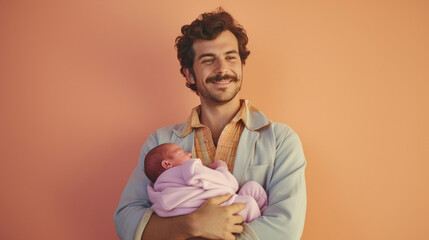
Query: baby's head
point(163, 157)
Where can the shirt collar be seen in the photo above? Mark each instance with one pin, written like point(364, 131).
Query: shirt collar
point(252, 118)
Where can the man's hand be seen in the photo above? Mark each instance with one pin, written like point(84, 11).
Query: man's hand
point(213, 221)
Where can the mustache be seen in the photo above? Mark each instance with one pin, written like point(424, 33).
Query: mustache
point(219, 77)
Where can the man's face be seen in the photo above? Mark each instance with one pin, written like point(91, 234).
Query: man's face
point(218, 69)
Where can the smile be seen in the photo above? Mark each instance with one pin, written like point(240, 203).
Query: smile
point(222, 82)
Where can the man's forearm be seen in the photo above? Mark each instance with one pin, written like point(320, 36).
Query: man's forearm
point(210, 220)
point(167, 228)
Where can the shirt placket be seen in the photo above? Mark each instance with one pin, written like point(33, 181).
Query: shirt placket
point(205, 143)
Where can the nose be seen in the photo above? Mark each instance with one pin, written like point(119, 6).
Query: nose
point(190, 155)
point(221, 67)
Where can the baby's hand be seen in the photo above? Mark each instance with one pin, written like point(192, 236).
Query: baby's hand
point(218, 163)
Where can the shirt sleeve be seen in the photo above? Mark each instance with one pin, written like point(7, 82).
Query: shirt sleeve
point(287, 199)
point(142, 225)
point(133, 210)
point(247, 234)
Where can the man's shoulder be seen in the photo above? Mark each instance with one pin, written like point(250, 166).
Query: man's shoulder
point(162, 135)
point(279, 128)
point(176, 128)
point(279, 133)
point(285, 135)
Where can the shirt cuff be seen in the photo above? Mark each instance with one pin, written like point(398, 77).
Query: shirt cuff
point(142, 225)
point(247, 234)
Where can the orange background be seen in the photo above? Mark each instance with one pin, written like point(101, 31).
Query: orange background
point(83, 84)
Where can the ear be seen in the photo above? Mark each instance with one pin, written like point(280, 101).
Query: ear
point(189, 77)
point(166, 164)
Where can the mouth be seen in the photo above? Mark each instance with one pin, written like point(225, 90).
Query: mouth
point(222, 82)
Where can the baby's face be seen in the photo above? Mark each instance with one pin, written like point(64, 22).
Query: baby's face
point(177, 155)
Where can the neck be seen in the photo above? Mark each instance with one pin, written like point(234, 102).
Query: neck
point(217, 116)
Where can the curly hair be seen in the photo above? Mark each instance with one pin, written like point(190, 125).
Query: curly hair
point(207, 27)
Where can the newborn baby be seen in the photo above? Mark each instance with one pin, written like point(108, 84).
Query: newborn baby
point(180, 184)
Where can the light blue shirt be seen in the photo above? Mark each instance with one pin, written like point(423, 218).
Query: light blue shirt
point(269, 153)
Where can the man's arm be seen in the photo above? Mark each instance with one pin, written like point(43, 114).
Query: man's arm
point(134, 201)
point(210, 221)
point(287, 200)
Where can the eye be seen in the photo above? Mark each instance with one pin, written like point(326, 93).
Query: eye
point(231, 58)
point(207, 60)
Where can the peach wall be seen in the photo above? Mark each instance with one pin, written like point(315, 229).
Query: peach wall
point(83, 83)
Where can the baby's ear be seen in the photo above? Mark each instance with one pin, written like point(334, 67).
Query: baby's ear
point(166, 164)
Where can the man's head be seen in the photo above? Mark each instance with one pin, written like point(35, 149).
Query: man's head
point(194, 43)
point(163, 157)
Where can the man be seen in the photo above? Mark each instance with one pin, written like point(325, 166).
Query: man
point(212, 52)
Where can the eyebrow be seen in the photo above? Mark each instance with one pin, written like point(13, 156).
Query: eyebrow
point(232, 51)
point(212, 55)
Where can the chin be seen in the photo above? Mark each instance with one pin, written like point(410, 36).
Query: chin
point(225, 99)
